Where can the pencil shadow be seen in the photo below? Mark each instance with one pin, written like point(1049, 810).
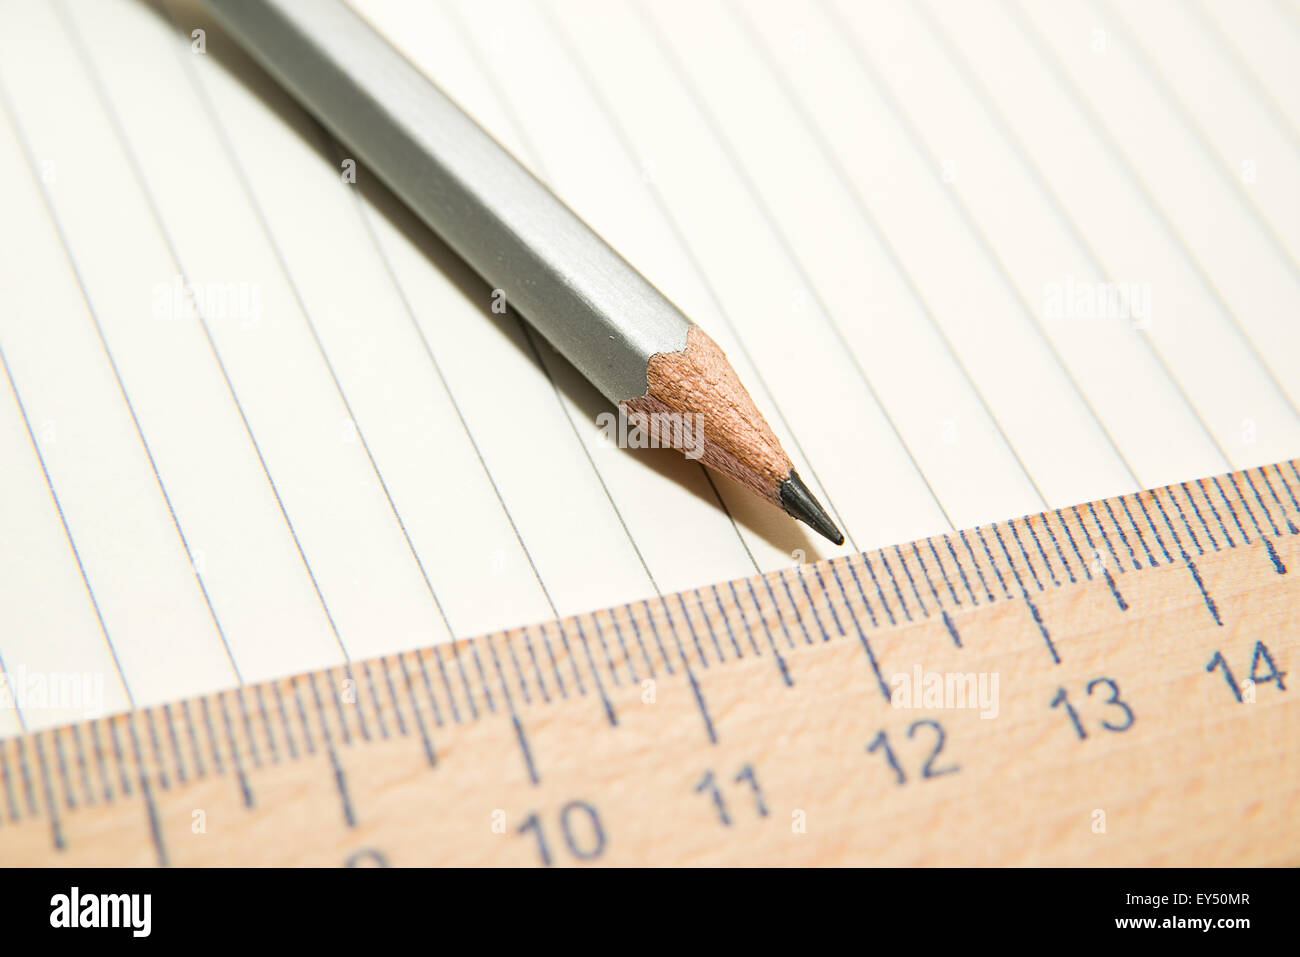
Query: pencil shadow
point(760, 518)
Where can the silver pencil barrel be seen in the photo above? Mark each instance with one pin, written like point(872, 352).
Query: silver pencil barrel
point(593, 307)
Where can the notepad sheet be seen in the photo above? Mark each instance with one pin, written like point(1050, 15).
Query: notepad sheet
point(972, 259)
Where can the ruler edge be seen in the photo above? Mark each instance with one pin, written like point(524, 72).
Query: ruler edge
point(137, 765)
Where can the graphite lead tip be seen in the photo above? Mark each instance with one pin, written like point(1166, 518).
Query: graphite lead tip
point(803, 505)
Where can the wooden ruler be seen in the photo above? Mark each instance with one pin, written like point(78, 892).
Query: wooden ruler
point(1107, 684)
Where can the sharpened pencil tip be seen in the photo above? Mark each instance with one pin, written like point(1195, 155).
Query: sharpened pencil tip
point(803, 505)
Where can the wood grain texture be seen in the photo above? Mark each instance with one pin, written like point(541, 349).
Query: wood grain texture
point(597, 732)
point(699, 382)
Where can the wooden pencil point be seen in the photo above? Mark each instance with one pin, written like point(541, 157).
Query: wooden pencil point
point(698, 384)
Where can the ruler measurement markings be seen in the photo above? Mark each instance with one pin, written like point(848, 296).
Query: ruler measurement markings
point(695, 635)
point(880, 592)
point(1055, 539)
point(1137, 530)
point(101, 761)
point(10, 795)
point(1100, 559)
point(952, 554)
point(628, 613)
point(1074, 546)
point(826, 594)
point(215, 749)
point(776, 653)
point(952, 629)
point(56, 826)
point(245, 788)
point(564, 641)
point(979, 572)
point(1273, 557)
point(239, 741)
point(284, 722)
point(425, 738)
point(69, 795)
point(1024, 552)
point(604, 647)
point(1146, 514)
point(123, 779)
point(193, 740)
point(628, 658)
point(340, 780)
point(520, 734)
point(146, 793)
point(610, 714)
point(1245, 504)
point(1281, 476)
point(374, 699)
point(1245, 474)
point(537, 668)
point(1290, 525)
point(383, 696)
point(446, 684)
point(1119, 528)
point(776, 603)
point(464, 681)
point(1101, 528)
point(857, 625)
point(690, 675)
point(763, 619)
point(25, 776)
point(163, 781)
point(1191, 532)
point(482, 680)
point(848, 602)
point(248, 727)
point(1196, 510)
point(1209, 503)
point(951, 733)
point(1227, 504)
point(428, 687)
point(1011, 562)
point(797, 571)
point(894, 583)
point(519, 675)
point(988, 555)
point(586, 663)
point(1191, 566)
point(1033, 609)
point(934, 591)
point(83, 766)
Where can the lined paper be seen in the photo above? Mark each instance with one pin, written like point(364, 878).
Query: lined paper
point(255, 419)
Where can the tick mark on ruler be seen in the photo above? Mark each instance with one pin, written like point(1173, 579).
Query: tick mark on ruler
point(704, 709)
point(56, 827)
point(523, 746)
point(952, 629)
point(429, 751)
point(1274, 558)
point(155, 826)
point(1114, 590)
point(340, 781)
point(600, 687)
point(1209, 602)
point(866, 645)
point(1038, 619)
point(686, 665)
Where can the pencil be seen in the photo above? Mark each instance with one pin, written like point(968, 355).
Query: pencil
point(602, 315)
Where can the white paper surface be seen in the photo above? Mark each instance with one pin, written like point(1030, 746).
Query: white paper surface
point(898, 219)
